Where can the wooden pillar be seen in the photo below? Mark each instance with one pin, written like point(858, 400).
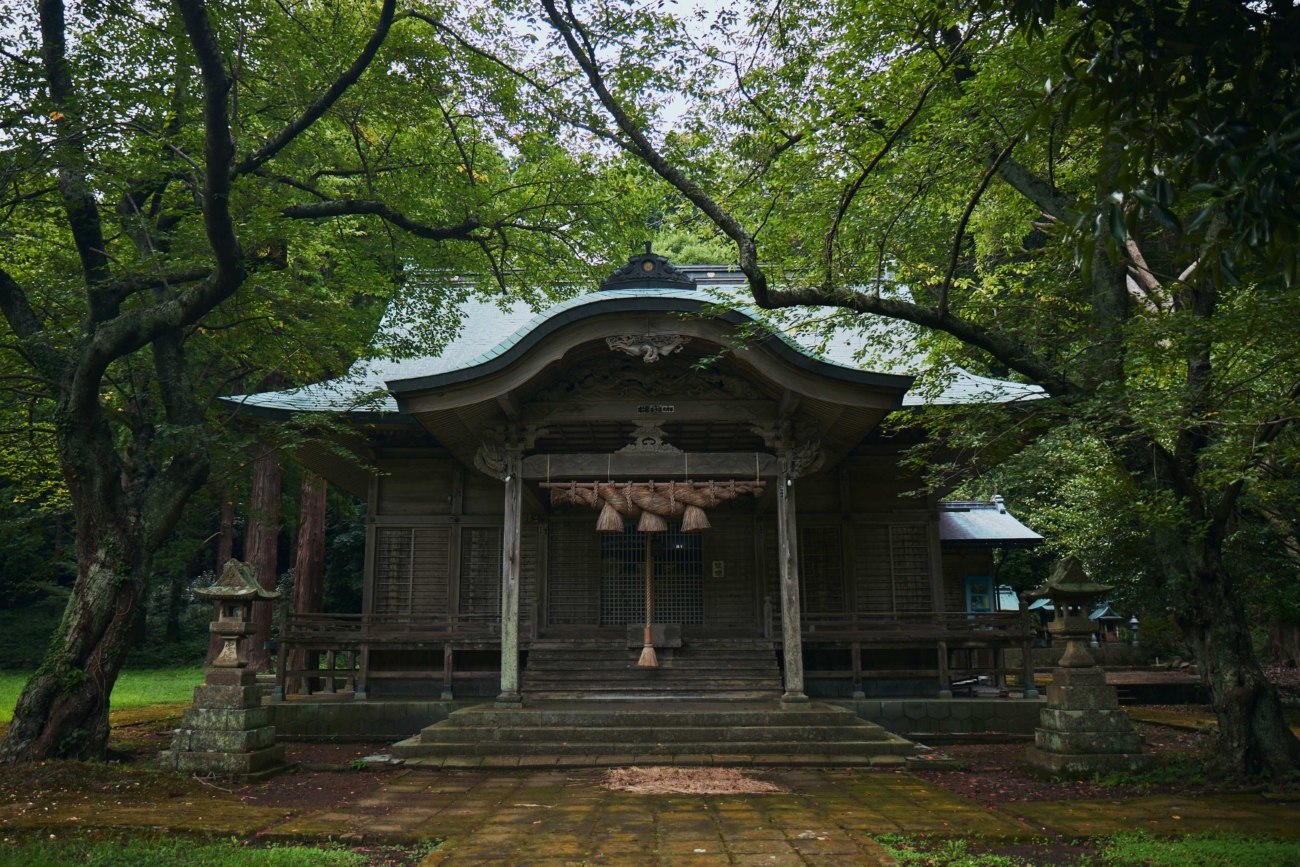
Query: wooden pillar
point(448, 663)
point(514, 482)
point(788, 543)
point(945, 677)
point(858, 692)
point(363, 675)
point(1027, 668)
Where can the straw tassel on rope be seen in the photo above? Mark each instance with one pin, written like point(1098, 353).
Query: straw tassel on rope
point(648, 658)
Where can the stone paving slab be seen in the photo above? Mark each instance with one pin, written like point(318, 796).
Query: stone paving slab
point(557, 817)
point(1164, 814)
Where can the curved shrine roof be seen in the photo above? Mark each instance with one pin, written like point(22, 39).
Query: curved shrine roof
point(491, 334)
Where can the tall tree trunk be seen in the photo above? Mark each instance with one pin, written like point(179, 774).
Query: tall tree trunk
point(63, 709)
point(309, 567)
point(1283, 646)
point(225, 551)
point(1213, 618)
point(261, 545)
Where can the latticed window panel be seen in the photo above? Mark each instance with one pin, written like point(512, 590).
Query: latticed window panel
point(412, 567)
point(912, 579)
point(480, 570)
point(873, 569)
point(677, 584)
point(823, 570)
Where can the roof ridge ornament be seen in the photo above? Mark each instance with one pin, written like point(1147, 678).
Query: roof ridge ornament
point(647, 270)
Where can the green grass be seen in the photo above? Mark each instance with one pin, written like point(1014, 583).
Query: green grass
point(1120, 850)
point(85, 851)
point(133, 688)
point(1202, 850)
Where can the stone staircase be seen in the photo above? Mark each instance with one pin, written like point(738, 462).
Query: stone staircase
point(613, 734)
point(702, 669)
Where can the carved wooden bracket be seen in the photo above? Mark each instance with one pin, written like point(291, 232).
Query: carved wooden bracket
point(492, 459)
point(648, 347)
point(649, 438)
point(805, 458)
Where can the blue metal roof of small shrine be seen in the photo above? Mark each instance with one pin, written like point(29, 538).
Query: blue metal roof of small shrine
point(490, 329)
point(979, 524)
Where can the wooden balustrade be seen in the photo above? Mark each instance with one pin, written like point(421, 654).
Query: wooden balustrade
point(349, 638)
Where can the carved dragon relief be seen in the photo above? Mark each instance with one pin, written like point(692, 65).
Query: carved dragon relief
point(626, 379)
point(491, 459)
point(648, 347)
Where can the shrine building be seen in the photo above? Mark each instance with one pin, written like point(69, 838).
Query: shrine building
point(553, 480)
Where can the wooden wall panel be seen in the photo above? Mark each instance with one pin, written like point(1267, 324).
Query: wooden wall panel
point(415, 487)
point(730, 599)
point(956, 566)
point(573, 572)
point(483, 495)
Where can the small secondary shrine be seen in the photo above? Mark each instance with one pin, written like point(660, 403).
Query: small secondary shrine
point(631, 495)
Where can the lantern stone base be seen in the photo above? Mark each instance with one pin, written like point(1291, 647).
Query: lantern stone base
point(227, 732)
point(1082, 729)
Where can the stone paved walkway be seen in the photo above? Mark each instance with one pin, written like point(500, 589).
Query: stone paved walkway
point(561, 818)
point(827, 818)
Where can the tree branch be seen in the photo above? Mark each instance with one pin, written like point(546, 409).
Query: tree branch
point(965, 219)
point(343, 207)
point(640, 145)
point(1052, 203)
point(281, 139)
point(28, 327)
point(78, 198)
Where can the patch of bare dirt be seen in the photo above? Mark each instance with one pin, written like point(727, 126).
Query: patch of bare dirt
point(309, 791)
point(687, 781)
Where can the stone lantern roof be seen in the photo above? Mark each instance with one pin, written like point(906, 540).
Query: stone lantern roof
point(236, 582)
point(1068, 580)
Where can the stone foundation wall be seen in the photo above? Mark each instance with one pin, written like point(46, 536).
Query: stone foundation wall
point(954, 716)
point(356, 720)
point(384, 720)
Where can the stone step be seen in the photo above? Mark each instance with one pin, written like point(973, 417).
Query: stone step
point(589, 761)
point(567, 661)
point(650, 676)
point(705, 714)
point(657, 695)
point(897, 747)
point(439, 733)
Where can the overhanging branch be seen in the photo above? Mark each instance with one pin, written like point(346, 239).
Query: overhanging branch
point(350, 76)
point(344, 207)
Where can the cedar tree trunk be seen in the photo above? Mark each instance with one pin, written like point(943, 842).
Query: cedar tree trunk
point(225, 551)
point(309, 568)
point(261, 545)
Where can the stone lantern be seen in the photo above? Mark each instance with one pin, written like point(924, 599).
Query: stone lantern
point(1082, 729)
point(227, 732)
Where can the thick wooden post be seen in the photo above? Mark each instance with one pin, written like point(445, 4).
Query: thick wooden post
point(510, 577)
point(448, 660)
point(945, 677)
point(1027, 668)
point(787, 531)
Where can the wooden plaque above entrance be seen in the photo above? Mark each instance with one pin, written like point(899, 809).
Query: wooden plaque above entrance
point(699, 465)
